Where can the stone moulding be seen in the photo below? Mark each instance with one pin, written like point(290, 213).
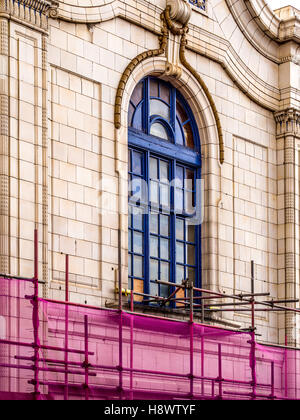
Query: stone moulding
point(33, 13)
point(177, 27)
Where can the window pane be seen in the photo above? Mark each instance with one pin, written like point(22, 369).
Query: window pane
point(164, 290)
point(154, 87)
point(180, 252)
point(180, 229)
point(165, 92)
point(129, 240)
point(189, 202)
point(153, 168)
point(153, 289)
point(182, 115)
point(190, 233)
point(158, 130)
point(154, 192)
point(135, 189)
point(137, 219)
point(164, 249)
point(130, 114)
point(137, 94)
point(129, 267)
point(138, 243)
point(179, 200)
point(138, 266)
point(137, 119)
point(189, 138)
point(159, 108)
point(164, 171)
point(164, 225)
point(164, 271)
point(179, 274)
point(179, 176)
point(189, 179)
point(153, 223)
point(191, 254)
point(153, 270)
point(137, 163)
point(165, 195)
point(191, 274)
point(154, 246)
point(179, 137)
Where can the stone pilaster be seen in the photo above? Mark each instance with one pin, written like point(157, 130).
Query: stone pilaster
point(4, 190)
point(288, 130)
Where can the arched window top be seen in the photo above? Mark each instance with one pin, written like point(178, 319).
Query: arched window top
point(158, 109)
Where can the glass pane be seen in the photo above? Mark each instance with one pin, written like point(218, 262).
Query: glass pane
point(130, 114)
point(158, 107)
point(153, 289)
point(153, 168)
point(137, 94)
point(165, 92)
point(129, 216)
point(138, 286)
point(154, 87)
point(153, 246)
point(179, 274)
point(129, 240)
point(191, 254)
point(138, 220)
point(164, 225)
point(129, 268)
point(138, 243)
point(164, 195)
point(137, 119)
point(135, 189)
point(164, 249)
point(154, 223)
point(190, 233)
point(189, 202)
point(179, 200)
point(164, 271)
point(180, 252)
point(153, 192)
point(191, 274)
point(138, 266)
point(182, 115)
point(164, 290)
point(189, 138)
point(158, 130)
point(179, 137)
point(180, 229)
point(179, 176)
point(153, 270)
point(189, 182)
point(136, 163)
point(164, 171)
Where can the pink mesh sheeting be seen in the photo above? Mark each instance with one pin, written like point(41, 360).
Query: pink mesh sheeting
point(86, 353)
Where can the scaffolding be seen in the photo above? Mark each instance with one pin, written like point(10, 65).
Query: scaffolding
point(62, 350)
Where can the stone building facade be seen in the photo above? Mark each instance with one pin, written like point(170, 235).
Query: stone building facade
point(68, 70)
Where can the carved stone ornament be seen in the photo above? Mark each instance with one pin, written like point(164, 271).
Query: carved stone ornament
point(180, 11)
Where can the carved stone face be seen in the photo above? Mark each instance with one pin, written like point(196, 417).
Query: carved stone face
point(180, 11)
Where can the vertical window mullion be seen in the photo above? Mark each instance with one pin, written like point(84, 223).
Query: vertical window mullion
point(173, 228)
point(146, 228)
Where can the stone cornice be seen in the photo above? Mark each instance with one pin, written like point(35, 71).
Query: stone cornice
point(32, 13)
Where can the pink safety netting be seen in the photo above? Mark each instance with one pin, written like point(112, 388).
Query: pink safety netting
point(56, 351)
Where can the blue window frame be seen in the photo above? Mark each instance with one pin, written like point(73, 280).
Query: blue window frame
point(164, 162)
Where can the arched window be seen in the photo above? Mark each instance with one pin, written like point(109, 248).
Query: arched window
point(164, 165)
